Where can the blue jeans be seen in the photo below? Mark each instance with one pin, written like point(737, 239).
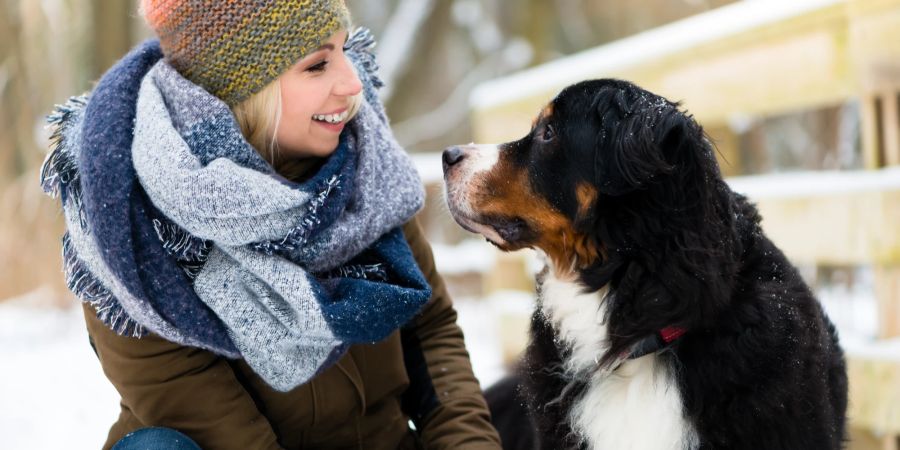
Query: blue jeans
point(156, 439)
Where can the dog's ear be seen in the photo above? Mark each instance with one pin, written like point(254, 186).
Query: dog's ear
point(672, 251)
point(642, 137)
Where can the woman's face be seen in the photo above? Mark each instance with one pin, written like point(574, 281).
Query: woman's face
point(315, 97)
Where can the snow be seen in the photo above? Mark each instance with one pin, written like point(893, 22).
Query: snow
point(852, 308)
point(478, 321)
point(52, 390)
point(470, 255)
point(818, 183)
point(773, 185)
point(854, 311)
point(429, 166)
point(648, 46)
point(871, 349)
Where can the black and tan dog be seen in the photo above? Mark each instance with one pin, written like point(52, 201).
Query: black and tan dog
point(666, 318)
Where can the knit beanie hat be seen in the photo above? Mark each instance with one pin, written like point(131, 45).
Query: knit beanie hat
point(234, 48)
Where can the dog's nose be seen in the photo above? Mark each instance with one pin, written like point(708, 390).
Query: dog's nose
point(452, 156)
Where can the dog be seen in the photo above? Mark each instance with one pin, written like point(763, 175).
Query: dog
point(666, 319)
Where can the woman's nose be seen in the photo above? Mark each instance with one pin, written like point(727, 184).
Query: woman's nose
point(349, 83)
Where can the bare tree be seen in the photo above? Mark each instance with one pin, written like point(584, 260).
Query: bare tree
point(398, 40)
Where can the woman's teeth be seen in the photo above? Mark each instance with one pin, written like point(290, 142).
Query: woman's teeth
point(332, 118)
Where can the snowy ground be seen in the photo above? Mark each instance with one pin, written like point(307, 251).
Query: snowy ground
point(52, 391)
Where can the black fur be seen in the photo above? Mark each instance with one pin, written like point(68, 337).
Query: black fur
point(760, 366)
point(510, 415)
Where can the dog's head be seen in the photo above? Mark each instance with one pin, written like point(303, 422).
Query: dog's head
point(612, 183)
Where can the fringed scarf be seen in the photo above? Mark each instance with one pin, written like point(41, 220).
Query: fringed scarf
point(177, 226)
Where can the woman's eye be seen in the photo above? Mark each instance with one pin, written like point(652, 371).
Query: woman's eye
point(549, 133)
point(318, 67)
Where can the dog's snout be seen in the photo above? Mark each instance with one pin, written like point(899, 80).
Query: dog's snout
point(452, 156)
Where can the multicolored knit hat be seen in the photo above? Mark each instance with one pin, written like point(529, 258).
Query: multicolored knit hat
point(234, 48)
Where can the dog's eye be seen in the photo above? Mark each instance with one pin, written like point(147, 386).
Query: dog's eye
point(549, 133)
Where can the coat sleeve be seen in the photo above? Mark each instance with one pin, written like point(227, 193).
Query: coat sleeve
point(444, 398)
point(187, 389)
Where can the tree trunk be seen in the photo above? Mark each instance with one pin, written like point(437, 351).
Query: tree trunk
point(111, 32)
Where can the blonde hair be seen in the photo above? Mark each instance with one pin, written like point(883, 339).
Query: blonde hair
point(259, 116)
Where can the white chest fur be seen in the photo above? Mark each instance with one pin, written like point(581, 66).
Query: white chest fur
point(637, 406)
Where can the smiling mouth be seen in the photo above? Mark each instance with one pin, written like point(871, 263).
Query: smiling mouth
point(332, 119)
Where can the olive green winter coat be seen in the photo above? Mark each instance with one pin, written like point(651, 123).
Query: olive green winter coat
point(363, 402)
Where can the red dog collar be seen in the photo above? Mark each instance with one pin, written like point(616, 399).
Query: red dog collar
point(658, 341)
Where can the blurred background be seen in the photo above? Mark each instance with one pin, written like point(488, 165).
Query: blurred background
point(801, 98)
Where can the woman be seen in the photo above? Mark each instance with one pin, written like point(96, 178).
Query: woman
point(240, 228)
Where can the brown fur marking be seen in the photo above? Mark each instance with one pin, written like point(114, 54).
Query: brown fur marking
point(586, 195)
point(505, 192)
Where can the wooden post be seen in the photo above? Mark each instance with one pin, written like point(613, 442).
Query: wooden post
point(9, 95)
point(510, 273)
point(871, 149)
point(727, 142)
point(887, 292)
point(537, 29)
point(890, 126)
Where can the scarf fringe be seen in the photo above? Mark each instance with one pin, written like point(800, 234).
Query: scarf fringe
point(59, 172)
point(363, 43)
point(298, 237)
point(88, 289)
point(60, 178)
point(371, 272)
point(190, 252)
